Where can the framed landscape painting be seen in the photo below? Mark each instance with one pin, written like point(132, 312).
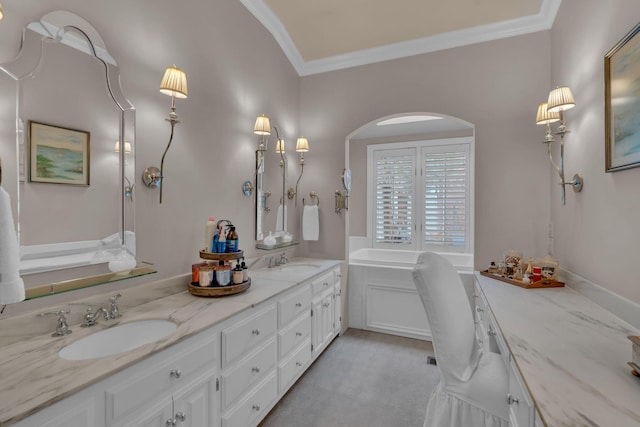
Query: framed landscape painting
point(622, 103)
point(58, 155)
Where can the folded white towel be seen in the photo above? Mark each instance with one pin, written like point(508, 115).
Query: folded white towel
point(282, 213)
point(11, 284)
point(310, 223)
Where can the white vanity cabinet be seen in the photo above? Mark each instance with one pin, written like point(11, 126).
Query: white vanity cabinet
point(229, 374)
point(249, 361)
point(294, 336)
point(322, 312)
point(337, 301)
point(181, 379)
point(521, 407)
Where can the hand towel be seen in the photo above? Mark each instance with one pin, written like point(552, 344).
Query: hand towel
point(11, 284)
point(282, 213)
point(310, 223)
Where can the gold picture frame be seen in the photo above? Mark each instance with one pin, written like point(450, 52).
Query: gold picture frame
point(622, 103)
point(58, 155)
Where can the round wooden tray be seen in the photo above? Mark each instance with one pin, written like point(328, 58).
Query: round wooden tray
point(219, 291)
point(221, 255)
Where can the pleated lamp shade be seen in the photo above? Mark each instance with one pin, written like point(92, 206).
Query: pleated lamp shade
point(560, 99)
point(174, 83)
point(302, 145)
point(280, 146)
point(544, 116)
point(262, 126)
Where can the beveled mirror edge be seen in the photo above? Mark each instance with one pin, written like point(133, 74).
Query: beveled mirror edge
point(69, 22)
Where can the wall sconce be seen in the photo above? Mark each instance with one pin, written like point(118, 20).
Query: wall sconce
point(302, 146)
point(262, 128)
point(560, 100)
point(173, 84)
point(127, 147)
point(1, 12)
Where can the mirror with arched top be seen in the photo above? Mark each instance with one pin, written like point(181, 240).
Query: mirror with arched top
point(65, 79)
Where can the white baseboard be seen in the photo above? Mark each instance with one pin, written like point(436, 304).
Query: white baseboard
point(621, 307)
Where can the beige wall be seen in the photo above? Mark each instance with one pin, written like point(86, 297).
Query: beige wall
point(496, 86)
point(596, 234)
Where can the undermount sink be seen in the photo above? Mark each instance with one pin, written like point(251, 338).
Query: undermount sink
point(117, 339)
point(299, 268)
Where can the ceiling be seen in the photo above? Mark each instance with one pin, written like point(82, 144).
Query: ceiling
point(327, 35)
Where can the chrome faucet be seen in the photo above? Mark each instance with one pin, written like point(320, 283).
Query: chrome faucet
point(91, 318)
point(62, 328)
point(283, 259)
point(114, 311)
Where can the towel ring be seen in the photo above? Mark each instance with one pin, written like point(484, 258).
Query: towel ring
point(313, 195)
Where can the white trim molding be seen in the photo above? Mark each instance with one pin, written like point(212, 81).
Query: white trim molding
point(542, 21)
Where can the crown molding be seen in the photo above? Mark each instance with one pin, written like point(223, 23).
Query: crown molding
point(540, 22)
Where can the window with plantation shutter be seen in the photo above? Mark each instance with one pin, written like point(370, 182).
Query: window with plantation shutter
point(421, 195)
point(446, 207)
point(394, 196)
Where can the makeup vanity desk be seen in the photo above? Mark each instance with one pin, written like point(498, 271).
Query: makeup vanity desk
point(567, 356)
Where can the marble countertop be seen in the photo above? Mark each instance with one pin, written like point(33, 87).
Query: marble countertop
point(34, 377)
point(571, 353)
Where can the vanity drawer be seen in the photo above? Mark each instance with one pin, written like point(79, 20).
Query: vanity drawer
point(241, 338)
point(293, 305)
point(294, 365)
point(252, 408)
point(159, 378)
point(294, 334)
point(249, 372)
point(321, 283)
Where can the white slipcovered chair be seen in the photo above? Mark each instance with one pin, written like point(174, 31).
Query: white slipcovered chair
point(473, 384)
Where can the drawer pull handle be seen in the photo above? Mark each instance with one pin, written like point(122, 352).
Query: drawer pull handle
point(256, 332)
point(298, 364)
point(298, 304)
point(325, 284)
point(256, 369)
point(176, 373)
point(326, 304)
point(256, 407)
point(512, 399)
point(492, 333)
point(479, 309)
point(298, 334)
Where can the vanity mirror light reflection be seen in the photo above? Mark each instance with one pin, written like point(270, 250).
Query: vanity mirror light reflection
point(67, 84)
point(271, 196)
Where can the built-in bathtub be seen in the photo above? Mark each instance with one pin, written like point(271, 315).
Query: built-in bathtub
point(382, 296)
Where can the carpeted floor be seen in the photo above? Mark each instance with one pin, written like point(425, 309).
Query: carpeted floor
point(364, 379)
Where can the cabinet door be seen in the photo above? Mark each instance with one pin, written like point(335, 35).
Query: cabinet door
point(316, 324)
point(337, 308)
point(199, 403)
point(156, 417)
point(327, 318)
point(521, 410)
